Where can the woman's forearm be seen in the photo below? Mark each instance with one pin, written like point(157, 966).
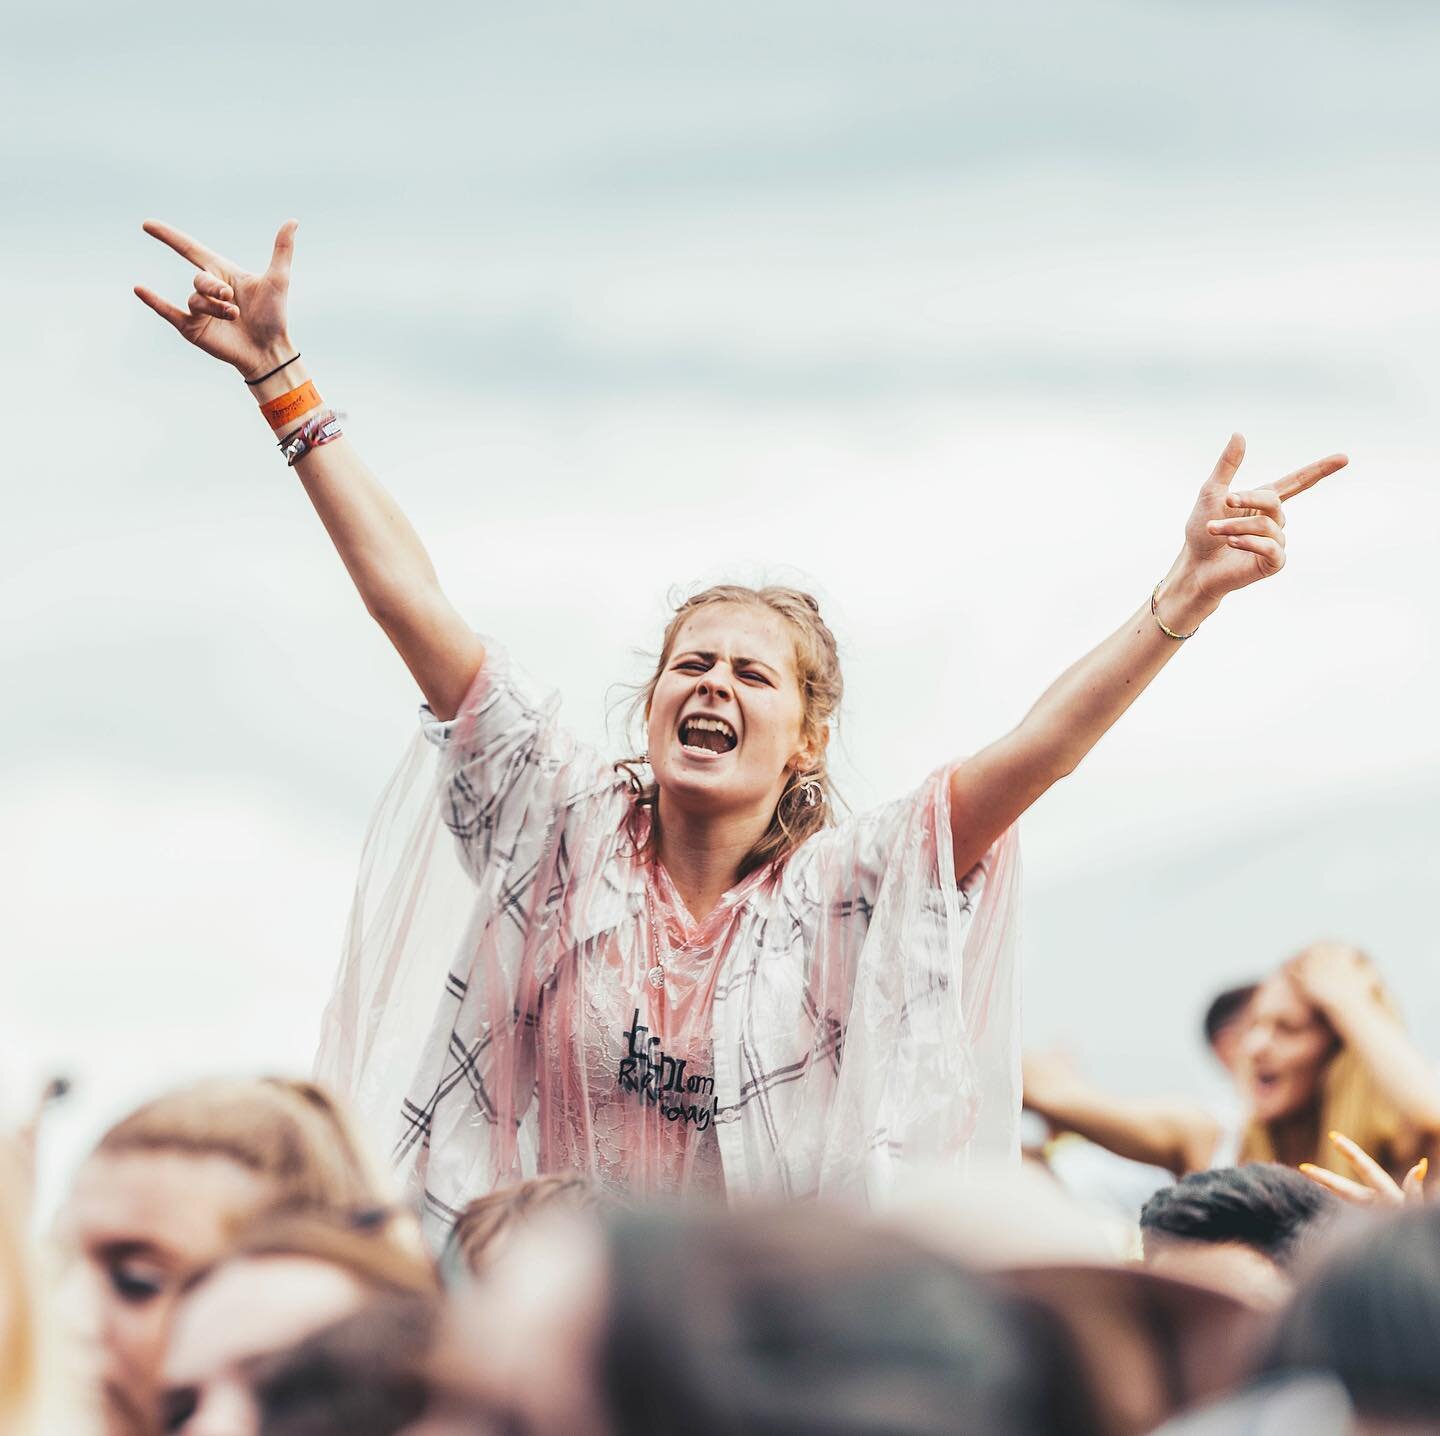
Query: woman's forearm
point(991, 790)
point(1076, 710)
point(1176, 1135)
point(1404, 1075)
point(386, 561)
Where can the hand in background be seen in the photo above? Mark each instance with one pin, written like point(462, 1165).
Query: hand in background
point(1376, 1186)
point(1335, 976)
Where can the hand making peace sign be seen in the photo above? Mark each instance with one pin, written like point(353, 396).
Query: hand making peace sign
point(234, 315)
point(1235, 539)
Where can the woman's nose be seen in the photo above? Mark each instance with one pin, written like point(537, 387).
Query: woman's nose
point(714, 684)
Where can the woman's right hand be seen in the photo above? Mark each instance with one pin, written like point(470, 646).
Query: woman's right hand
point(236, 316)
point(1376, 1186)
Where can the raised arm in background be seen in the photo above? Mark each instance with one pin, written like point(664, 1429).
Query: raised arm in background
point(241, 319)
point(1165, 1132)
point(1231, 540)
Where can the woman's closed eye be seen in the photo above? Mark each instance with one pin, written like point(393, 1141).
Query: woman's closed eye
point(136, 1282)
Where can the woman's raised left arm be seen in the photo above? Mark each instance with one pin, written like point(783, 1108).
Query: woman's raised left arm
point(1231, 540)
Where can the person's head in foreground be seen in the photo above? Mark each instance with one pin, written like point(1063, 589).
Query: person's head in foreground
point(1304, 1081)
point(1224, 1024)
point(164, 1193)
point(1238, 1229)
point(286, 1279)
point(801, 1320)
point(1370, 1316)
point(737, 715)
point(486, 1226)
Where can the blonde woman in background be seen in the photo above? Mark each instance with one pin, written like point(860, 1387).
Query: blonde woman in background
point(165, 1192)
point(1322, 1050)
point(1325, 1053)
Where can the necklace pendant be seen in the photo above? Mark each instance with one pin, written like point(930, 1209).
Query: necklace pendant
point(657, 976)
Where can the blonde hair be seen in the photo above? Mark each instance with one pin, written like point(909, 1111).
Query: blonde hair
point(291, 1132)
point(817, 667)
point(1352, 1104)
point(17, 1296)
point(374, 1248)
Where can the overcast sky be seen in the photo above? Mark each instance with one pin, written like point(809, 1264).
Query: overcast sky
point(942, 309)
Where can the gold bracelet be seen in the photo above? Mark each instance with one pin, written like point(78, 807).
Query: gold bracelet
point(1168, 632)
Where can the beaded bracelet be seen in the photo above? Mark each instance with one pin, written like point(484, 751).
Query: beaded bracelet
point(312, 434)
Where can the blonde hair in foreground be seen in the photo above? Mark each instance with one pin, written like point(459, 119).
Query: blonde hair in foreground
point(1351, 1104)
point(17, 1298)
point(817, 668)
point(291, 1132)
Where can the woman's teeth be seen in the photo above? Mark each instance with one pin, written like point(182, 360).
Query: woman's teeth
point(712, 735)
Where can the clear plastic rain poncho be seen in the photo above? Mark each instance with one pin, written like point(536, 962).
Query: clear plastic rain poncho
point(837, 1017)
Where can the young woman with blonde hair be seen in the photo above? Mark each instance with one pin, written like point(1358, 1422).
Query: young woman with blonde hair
point(1328, 1075)
point(684, 976)
point(165, 1191)
point(1328, 1067)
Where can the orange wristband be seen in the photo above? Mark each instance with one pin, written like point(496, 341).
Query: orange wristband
point(286, 408)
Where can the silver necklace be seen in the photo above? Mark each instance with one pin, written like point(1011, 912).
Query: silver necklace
point(656, 975)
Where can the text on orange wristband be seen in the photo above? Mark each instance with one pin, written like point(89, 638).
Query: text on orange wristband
point(285, 408)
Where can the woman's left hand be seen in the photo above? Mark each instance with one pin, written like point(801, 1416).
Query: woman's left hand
point(1376, 1187)
point(1235, 539)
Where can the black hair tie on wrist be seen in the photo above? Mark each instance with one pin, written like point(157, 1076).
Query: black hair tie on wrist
point(251, 383)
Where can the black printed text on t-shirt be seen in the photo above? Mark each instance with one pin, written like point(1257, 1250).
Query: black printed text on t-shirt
point(655, 1076)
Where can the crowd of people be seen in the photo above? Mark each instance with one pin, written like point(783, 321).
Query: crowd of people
point(230, 1260)
point(662, 1096)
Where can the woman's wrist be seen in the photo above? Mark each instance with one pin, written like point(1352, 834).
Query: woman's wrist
point(288, 379)
point(275, 372)
point(1182, 603)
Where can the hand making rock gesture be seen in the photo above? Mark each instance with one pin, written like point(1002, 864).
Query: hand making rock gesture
point(236, 316)
point(1236, 538)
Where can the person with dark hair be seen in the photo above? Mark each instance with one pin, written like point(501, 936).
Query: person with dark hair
point(1224, 1023)
point(1369, 1316)
point(1240, 1229)
point(363, 1376)
point(796, 1321)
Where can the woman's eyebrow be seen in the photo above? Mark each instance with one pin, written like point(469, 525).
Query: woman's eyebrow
point(122, 1249)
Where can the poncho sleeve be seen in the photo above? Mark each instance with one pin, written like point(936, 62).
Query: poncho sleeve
point(463, 858)
point(919, 975)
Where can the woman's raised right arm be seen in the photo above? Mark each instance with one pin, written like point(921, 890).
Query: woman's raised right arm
point(240, 319)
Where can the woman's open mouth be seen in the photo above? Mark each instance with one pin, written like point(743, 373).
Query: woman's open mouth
point(707, 735)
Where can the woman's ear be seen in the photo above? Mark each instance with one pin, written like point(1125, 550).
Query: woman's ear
point(809, 757)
